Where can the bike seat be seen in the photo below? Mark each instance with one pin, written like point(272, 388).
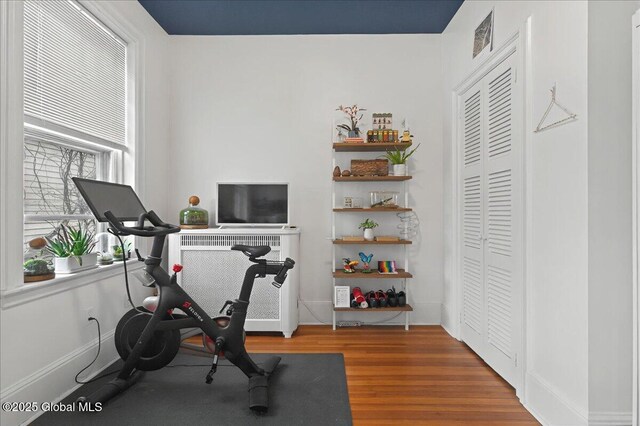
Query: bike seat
point(252, 251)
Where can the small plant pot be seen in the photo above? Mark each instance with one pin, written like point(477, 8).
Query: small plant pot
point(69, 265)
point(399, 169)
point(37, 270)
point(368, 234)
point(116, 252)
point(105, 259)
point(353, 134)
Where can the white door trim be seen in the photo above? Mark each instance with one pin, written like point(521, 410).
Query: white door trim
point(519, 43)
point(636, 215)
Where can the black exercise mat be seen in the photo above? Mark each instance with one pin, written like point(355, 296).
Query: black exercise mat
point(306, 389)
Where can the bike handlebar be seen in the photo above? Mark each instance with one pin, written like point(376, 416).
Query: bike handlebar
point(159, 227)
point(282, 274)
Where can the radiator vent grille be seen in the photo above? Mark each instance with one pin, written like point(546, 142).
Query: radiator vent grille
point(194, 240)
point(213, 276)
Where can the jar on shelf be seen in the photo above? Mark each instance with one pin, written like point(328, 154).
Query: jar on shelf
point(388, 199)
point(194, 217)
point(38, 262)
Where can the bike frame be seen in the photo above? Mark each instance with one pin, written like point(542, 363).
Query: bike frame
point(228, 338)
point(172, 296)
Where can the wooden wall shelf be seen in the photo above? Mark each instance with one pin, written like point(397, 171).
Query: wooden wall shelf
point(373, 210)
point(405, 308)
point(342, 151)
point(373, 146)
point(370, 178)
point(339, 273)
point(340, 241)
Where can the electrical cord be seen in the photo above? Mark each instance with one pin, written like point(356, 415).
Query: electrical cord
point(384, 320)
point(84, 382)
point(313, 314)
point(126, 274)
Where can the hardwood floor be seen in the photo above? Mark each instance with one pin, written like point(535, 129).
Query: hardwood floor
point(422, 376)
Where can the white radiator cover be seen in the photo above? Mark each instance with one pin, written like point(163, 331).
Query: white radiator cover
point(213, 273)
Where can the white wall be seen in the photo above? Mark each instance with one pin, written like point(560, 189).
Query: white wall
point(578, 366)
point(45, 342)
point(557, 386)
point(261, 109)
point(610, 226)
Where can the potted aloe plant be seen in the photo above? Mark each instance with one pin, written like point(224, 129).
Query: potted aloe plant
point(72, 249)
point(399, 160)
point(368, 226)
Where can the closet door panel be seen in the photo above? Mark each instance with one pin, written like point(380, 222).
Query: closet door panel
point(501, 172)
point(472, 220)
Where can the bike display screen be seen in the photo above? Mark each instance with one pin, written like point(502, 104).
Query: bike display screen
point(104, 196)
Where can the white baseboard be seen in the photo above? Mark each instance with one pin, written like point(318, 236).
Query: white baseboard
point(55, 381)
point(610, 419)
point(423, 314)
point(548, 406)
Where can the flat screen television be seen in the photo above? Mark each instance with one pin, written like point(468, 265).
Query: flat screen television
point(253, 204)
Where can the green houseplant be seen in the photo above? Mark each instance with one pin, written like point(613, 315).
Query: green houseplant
point(399, 160)
point(118, 254)
point(38, 262)
point(72, 249)
point(368, 226)
point(36, 267)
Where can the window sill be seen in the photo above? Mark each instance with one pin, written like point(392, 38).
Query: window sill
point(61, 283)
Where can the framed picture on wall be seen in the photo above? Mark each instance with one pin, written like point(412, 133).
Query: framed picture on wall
point(483, 35)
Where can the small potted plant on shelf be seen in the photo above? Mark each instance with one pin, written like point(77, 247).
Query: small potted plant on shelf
point(38, 263)
point(72, 249)
point(118, 254)
point(368, 226)
point(105, 258)
point(352, 129)
point(399, 160)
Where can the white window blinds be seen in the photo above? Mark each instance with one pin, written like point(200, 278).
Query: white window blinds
point(74, 71)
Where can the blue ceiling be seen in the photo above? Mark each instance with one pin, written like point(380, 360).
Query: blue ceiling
point(270, 17)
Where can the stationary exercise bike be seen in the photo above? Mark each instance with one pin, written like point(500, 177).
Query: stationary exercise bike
point(149, 339)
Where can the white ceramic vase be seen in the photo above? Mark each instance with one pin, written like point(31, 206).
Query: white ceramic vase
point(399, 169)
point(368, 234)
point(71, 264)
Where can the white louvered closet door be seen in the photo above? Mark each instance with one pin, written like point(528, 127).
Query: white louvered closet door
point(491, 279)
point(472, 217)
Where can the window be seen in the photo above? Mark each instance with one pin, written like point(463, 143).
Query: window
point(75, 111)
